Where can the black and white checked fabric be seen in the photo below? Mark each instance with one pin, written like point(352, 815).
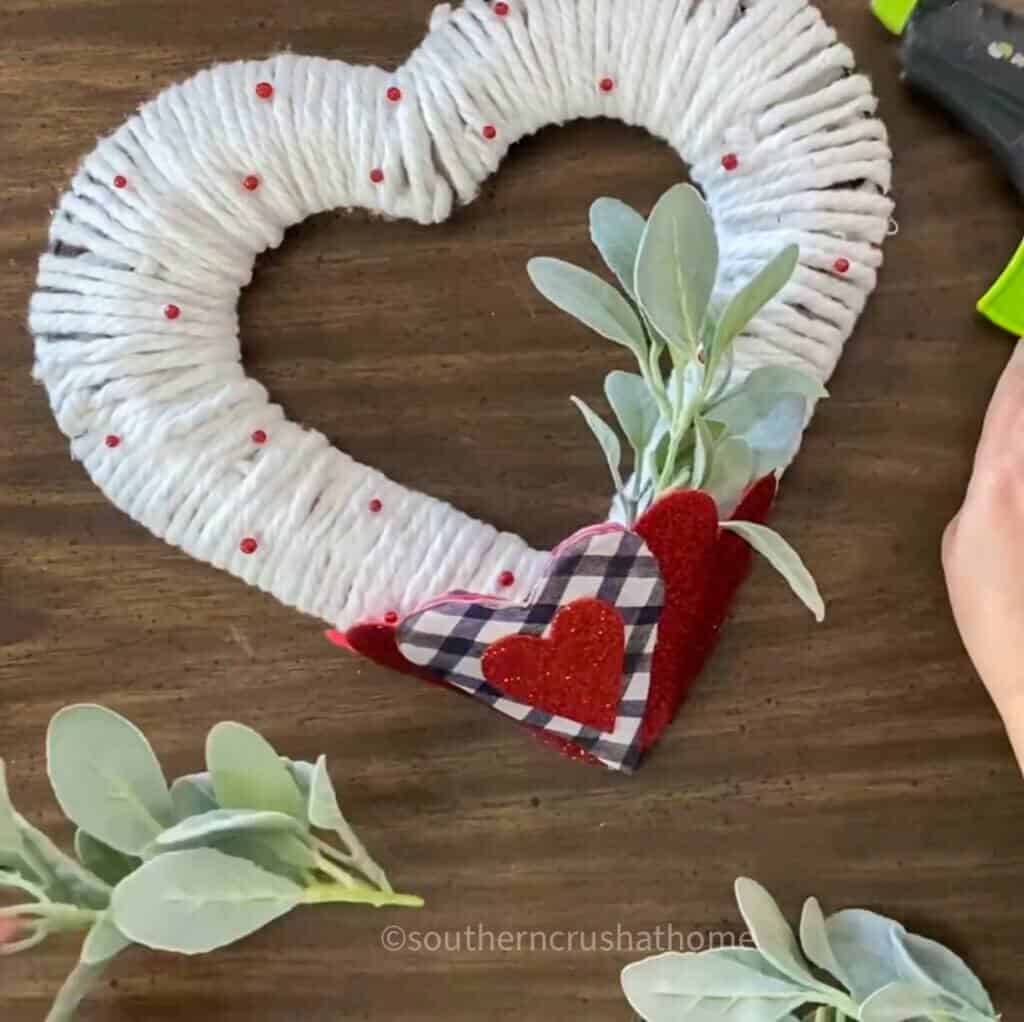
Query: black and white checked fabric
point(451, 635)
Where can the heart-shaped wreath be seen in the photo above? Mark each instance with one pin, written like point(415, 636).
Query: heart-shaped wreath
point(135, 322)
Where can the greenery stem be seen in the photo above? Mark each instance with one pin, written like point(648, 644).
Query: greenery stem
point(325, 894)
point(335, 872)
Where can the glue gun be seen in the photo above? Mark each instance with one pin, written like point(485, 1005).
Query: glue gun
point(968, 55)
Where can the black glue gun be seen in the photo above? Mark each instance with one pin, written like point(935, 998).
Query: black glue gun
point(968, 55)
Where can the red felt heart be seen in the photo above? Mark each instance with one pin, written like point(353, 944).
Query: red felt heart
point(574, 673)
point(702, 568)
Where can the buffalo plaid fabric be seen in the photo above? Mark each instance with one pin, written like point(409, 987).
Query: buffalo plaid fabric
point(606, 563)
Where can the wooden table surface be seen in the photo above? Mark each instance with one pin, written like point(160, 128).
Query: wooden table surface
point(859, 761)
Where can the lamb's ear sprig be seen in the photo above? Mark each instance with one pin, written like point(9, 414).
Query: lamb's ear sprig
point(852, 965)
point(189, 867)
point(688, 419)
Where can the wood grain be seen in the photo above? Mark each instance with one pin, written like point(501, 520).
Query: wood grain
point(860, 761)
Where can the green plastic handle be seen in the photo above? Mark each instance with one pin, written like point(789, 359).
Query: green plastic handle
point(894, 14)
point(1004, 304)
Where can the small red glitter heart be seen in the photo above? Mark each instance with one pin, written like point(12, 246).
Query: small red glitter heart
point(575, 673)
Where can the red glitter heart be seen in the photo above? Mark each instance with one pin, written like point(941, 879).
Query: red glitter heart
point(576, 673)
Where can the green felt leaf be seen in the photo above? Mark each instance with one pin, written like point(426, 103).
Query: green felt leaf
point(744, 406)
point(786, 561)
point(773, 936)
point(634, 407)
point(196, 901)
point(746, 304)
point(104, 941)
point(616, 230)
point(734, 983)
point(606, 437)
point(210, 827)
point(731, 473)
point(591, 300)
point(107, 778)
point(10, 838)
point(677, 266)
point(192, 795)
point(63, 879)
point(107, 863)
point(248, 774)
point(703, 452)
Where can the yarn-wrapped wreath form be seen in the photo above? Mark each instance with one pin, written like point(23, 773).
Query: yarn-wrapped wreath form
point(136, 325)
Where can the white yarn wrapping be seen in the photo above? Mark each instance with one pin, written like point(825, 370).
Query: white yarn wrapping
point(765, 79)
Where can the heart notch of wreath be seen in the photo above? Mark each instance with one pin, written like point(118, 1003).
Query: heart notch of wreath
point(135, 316)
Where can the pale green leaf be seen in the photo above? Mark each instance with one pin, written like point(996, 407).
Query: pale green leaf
point(731, 474)
point(634, 407)
point(874, 951)
point(199, 900)
point(248, 774)
point(62, 878)
point(325, 813)
point(606, 437)
point(900, 1002)
point(744, 406)
point(747, 303)
point(815, 941)
point(10, 839)
point(107, 778)
point(616, 230)
point(107, 863)
point(192, 795)
point(703, 452)
point(103, 942)
point(775, 439)
point(280, 852)
point(785, 560)
point(302, 773)
point(735, 983)
point(866, 951)
point(211, 827)
point(83, 979)
point(940, 966)
point(773, 936)
point(591, 300)
point(677, 266)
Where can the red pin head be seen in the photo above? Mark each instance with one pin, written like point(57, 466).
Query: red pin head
point(251, 183)
point(171, 312)
point(248, 545)
point(731, 162)
point(264, 90)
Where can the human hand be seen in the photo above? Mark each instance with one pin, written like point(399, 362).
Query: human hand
point(983, 553)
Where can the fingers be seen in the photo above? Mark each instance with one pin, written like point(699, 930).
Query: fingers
point(1005, 416)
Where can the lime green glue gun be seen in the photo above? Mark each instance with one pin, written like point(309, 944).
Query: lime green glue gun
point(968, 56)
